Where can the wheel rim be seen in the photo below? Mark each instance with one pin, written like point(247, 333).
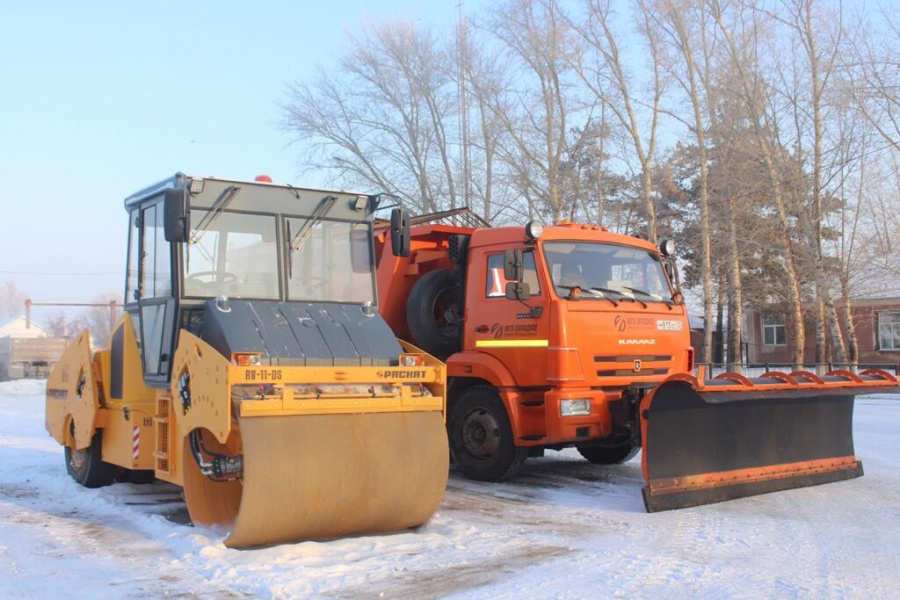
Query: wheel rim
point(76, 459)
point(481, 434)
point(443, 306)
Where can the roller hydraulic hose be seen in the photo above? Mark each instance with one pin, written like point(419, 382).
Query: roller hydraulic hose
point(231, 467)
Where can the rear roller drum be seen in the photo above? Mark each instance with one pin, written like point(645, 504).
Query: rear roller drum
point(481, 437)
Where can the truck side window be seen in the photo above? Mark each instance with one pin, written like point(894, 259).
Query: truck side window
point(495, 284)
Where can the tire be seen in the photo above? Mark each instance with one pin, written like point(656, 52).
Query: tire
point(431, 313)
point(481, 438)
point(609, 455)
point(87, 467)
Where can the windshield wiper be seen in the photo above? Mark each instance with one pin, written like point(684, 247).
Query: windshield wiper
point(307, 227)
point(606, 292)
point(648, 295)
point(221, 203)
point(603, 291)
point(297, 241)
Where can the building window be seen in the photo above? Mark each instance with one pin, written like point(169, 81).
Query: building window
point(889, 331)
point(774, 331)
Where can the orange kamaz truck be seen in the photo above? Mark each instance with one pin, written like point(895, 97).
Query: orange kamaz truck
point(570, 335)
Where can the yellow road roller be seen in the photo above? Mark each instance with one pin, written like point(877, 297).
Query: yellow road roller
point(251, 367)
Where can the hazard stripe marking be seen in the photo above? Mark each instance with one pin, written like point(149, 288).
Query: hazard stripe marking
point(135, 443)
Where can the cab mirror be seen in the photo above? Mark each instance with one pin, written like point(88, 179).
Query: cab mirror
point(513, 266)
point(400, 232)
point(177, 215)
point(517, 290)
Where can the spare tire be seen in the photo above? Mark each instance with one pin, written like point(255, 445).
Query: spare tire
point(432, 314)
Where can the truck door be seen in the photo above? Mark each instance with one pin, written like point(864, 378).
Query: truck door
point(155, 306)
point(515, 332)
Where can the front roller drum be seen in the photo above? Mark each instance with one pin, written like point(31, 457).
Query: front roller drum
point(316, 477)
point(706, 446)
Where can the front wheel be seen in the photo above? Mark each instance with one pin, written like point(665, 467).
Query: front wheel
point(86, 466)
point(481, 437)
point(600, 454)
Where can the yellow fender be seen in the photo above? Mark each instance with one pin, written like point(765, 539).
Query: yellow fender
point(210, 406)
point(73, 395)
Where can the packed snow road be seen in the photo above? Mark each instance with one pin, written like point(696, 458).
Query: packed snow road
point(562, 529)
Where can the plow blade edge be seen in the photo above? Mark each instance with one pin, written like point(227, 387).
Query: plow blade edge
point(733, 437)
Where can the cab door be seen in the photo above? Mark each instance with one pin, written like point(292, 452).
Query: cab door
point(514, 332)
point(152, 302)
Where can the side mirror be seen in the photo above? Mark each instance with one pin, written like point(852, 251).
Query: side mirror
point(513, 265)
point(177, 213)
point(517, 290)
point(400, 232)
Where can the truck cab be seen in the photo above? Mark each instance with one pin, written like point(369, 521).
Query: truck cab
point(558, 332)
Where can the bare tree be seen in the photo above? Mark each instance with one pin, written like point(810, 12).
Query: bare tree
point(604, 72)
point(536, 112)
point(752, 90)
point(382, 118)
point(12, 300)
point(669, 17)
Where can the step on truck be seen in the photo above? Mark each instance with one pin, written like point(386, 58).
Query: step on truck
point(570, 335)
point(252, 368)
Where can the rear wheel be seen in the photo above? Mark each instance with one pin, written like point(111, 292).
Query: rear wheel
point(86, 466)
point(609, 454)
point(481, 437)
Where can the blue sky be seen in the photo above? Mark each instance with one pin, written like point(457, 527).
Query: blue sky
point(100, 99)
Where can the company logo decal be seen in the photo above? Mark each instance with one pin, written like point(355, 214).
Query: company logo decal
point(623, 323)
point(637, 366)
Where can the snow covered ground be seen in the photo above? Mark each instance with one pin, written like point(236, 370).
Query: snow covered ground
point(562, 529)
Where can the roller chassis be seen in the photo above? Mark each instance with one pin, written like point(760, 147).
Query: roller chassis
point(264, 412)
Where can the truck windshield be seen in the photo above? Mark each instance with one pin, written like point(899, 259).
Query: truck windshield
point(233, 255)
point(331, 261)
point(606, 271)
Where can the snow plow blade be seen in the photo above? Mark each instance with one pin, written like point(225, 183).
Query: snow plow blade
point(314, 477)
point(732, 437)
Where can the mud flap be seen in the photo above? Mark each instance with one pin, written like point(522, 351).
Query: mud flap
point(324, 476)
point(734, 437)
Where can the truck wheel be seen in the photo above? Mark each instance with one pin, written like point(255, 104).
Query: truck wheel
point(481, 437)
point(431, 313)
point(609, 455)
point(87, 467)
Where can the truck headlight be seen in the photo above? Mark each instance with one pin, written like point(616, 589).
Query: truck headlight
point(574, 407)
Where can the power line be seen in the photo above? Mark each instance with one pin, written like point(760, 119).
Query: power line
point(55, 274)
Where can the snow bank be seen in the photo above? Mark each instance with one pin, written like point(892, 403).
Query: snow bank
point(22, 387)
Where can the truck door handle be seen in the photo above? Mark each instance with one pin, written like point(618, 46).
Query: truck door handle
point(482, 329)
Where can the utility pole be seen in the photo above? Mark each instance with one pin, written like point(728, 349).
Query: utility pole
point(462, 49)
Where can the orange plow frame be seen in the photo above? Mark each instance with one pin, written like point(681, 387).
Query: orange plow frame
point(708, 441)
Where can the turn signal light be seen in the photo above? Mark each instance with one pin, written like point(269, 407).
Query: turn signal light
point(245, 359)
point(412, 360)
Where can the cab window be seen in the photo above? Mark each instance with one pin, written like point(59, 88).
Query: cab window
point(495, 284)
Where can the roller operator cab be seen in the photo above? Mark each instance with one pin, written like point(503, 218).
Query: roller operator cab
point(252, 367)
